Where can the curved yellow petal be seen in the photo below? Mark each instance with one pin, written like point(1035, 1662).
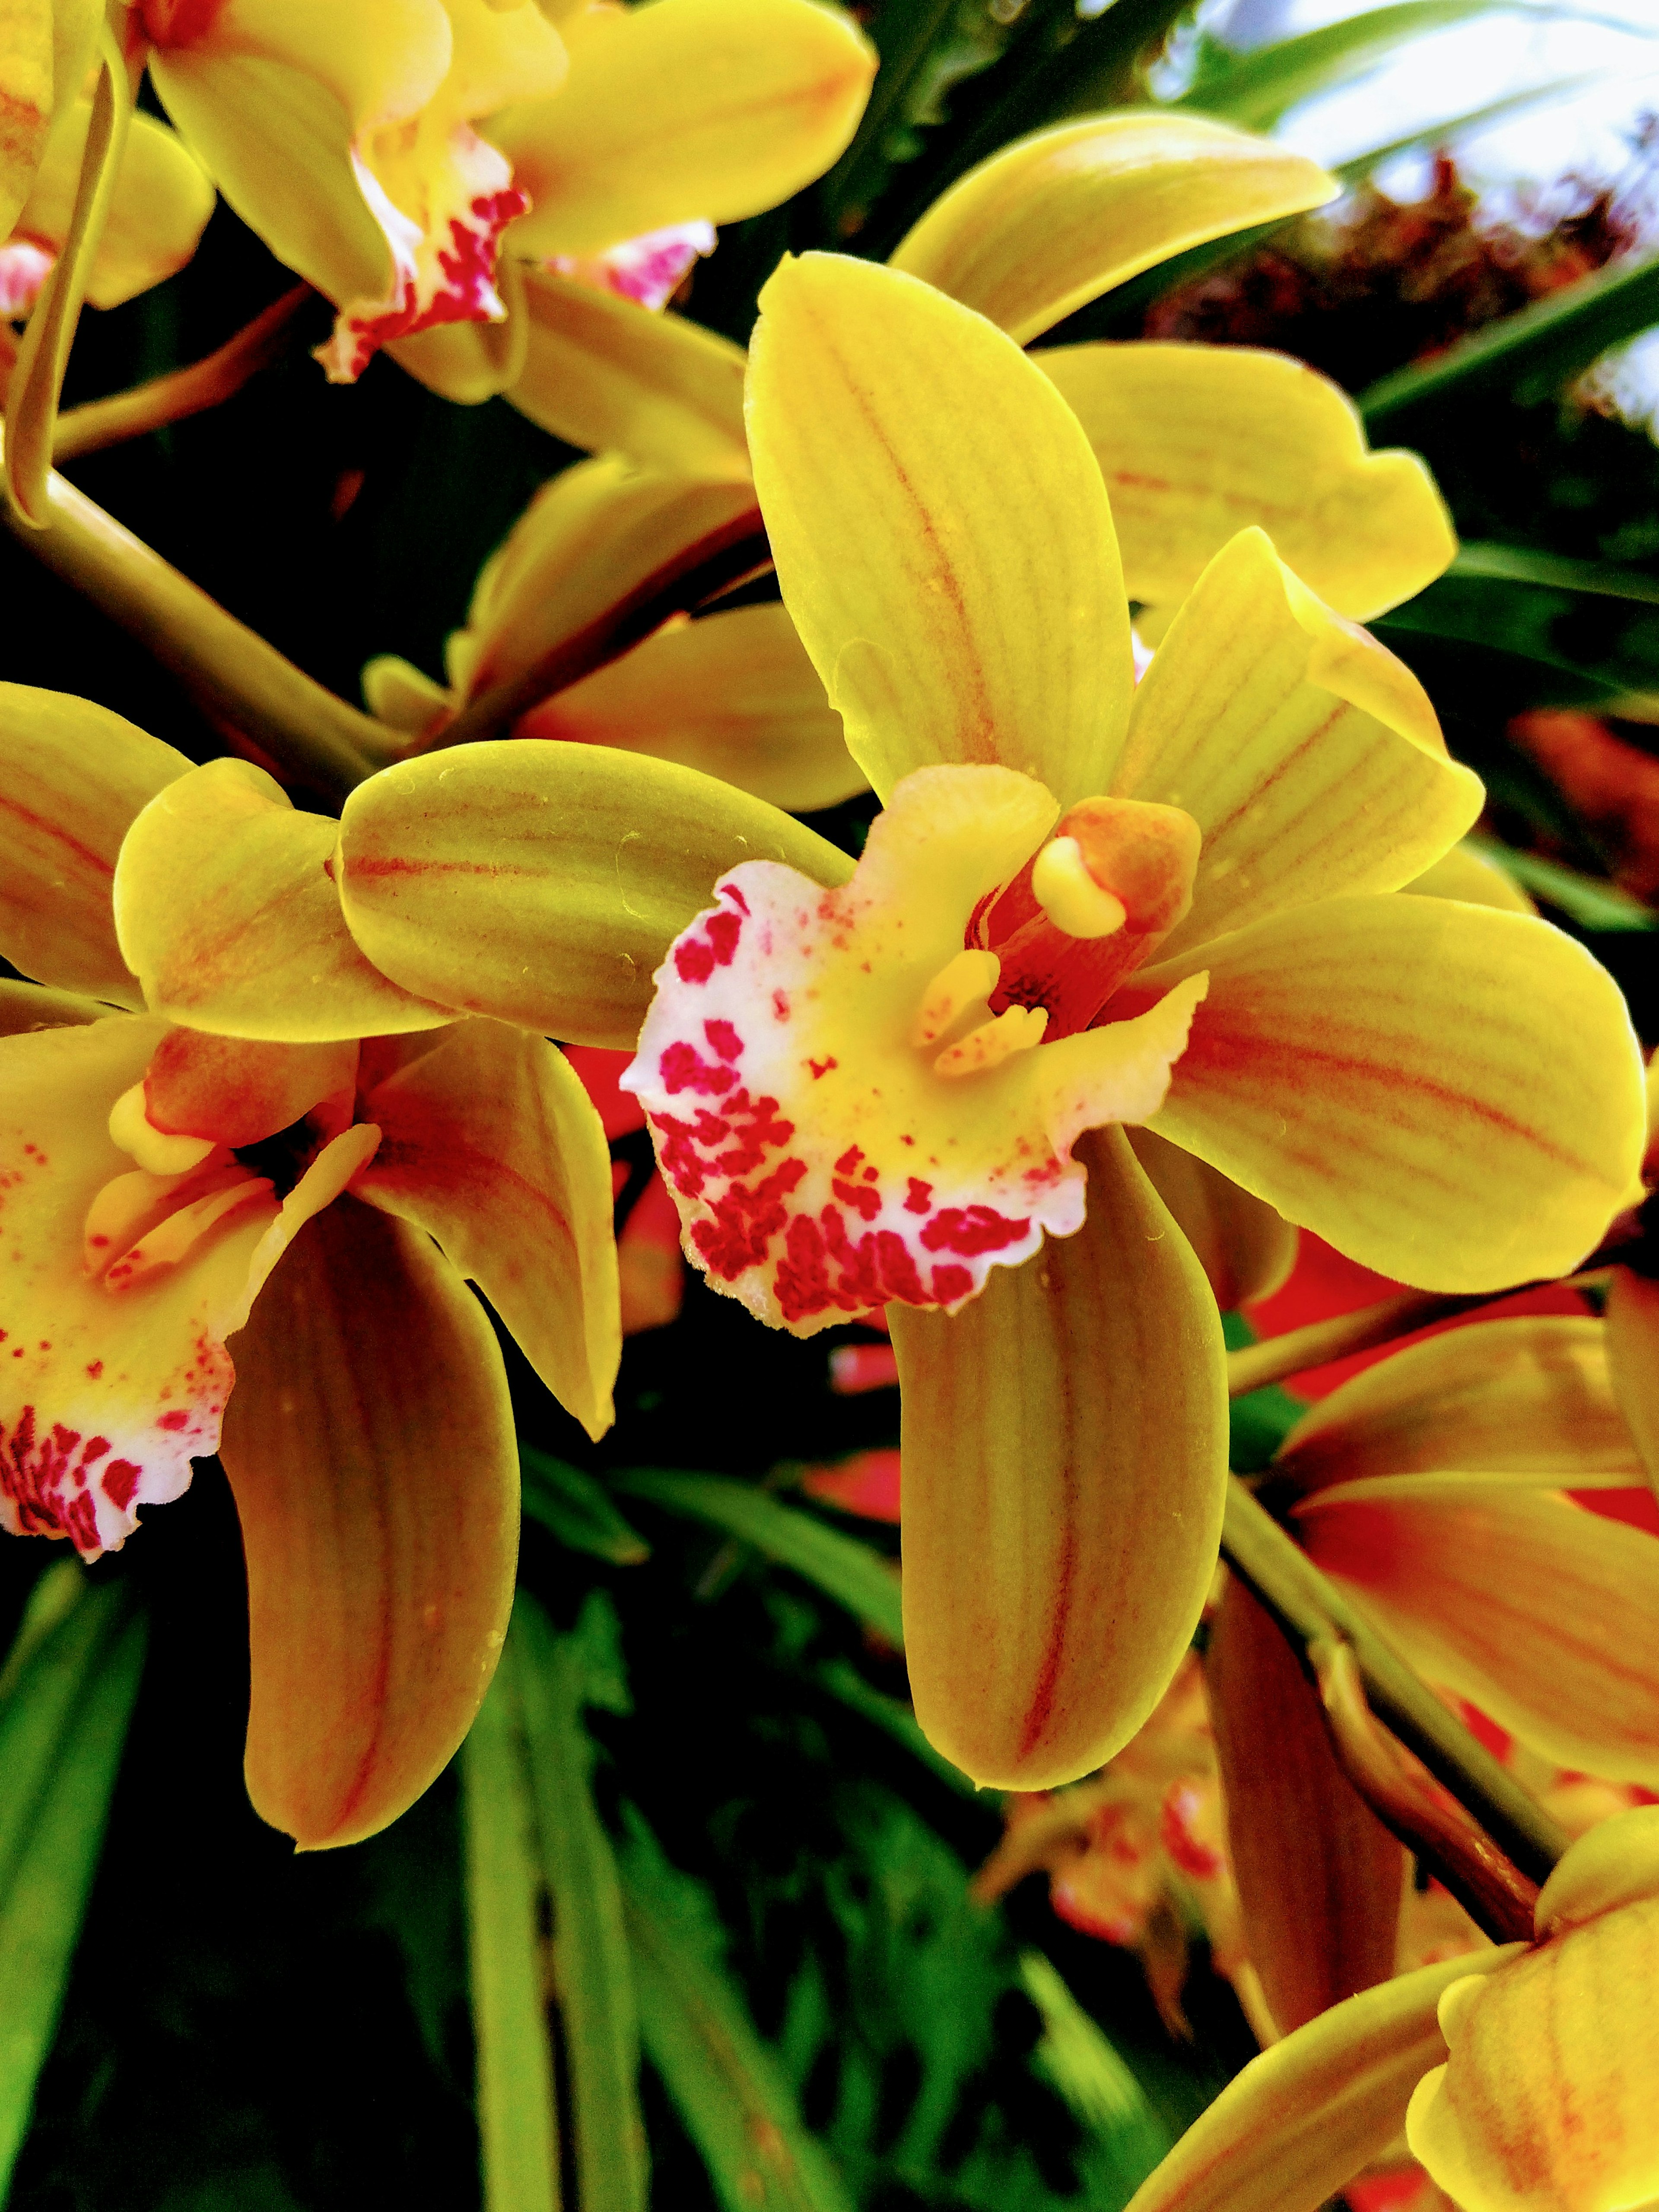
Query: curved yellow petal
point(543, 883)
point(1057, 218)
point(370, 1448)
point(733, 695)
point(1245, 1249)
point(1632, 1325)
point(471, 361)
point(28, 94)
point(585, 542)
point(609, 376)
point(225, 910)
point(950, 568)
point(1448, 1094)
point(490, 1144)
point(1320, 1892)
point(381, 60)
point(1310, 758)
point(684, 110)
point(1614, 1865)
point(1065, 1461)
point(1302, 2119)
point(1197, 442)
point(159, 206)
point(1528, 1395)
point(73, 779)
point(1529, 1605)
point(1464, 874)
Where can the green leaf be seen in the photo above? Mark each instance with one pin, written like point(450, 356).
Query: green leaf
point(1089, 2074)
point(845, 1570)
point(577, 1509)
point(1532, 355)
point(517, 2122)
point(728, 2086)
point(1591, 904)
point(66, 1697)
point(557, 1676)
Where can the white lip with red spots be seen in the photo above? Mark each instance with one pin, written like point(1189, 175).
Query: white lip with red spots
point(821, 1161)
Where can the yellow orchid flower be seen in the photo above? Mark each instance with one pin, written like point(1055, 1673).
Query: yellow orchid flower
point(677, 115)
point(1525, 2076)
point(346, 138)
point(1194, 442)
point(1392, 1071)
point(347, 1166)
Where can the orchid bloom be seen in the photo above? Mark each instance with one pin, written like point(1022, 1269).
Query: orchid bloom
point(345, 138)
point(677, 115)
point(975, 987)
point(288, 1151)
point(1525, 2076)
point(1194, 442)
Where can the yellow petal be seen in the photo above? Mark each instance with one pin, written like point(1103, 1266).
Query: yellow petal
point(159, 206)
point(607, 376)
point(239, 1093)
point(1464, 874)
point(1065, 1457)
point(1527, 1396)
point(543, 883)
point(1196, 442)
point(1302, 2119)
point(1310, 758)
point(1546, 2102)
point(1057, 218)
point(1245, 1249)
point(587, 541)
point(490, 1144)
point(952, 567)
point(1633, 1320)
point(380, 61)
point(733, 695)
point(1527, 1604)
point(471, 361)
point(226, 911)
point(404, 696)
point(74, 777)
point(1450, 1095)
point(25, 1008)
point(370, 1448)
point(1616, 1864)
point(27, 95)
point(684, 111)
point(1321, 1890)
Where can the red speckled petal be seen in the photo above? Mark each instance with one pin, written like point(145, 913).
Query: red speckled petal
point(370, 1448)
point(821, 1162)
point(491, 1145)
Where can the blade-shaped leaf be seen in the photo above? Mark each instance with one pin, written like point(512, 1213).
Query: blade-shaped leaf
point(577, 1509)
point(1090, 2076)
point(841, 1567)
point(65, 1700)
point(518, 2121)
point(1592, 905)
point(728, 2086)
point(557, 1676)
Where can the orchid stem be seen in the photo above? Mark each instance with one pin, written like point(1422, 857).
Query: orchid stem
point(1313, 1612)
point(182, 391)
point(230, 669)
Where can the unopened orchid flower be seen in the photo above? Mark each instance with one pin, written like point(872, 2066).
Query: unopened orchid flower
point(287, 1155)
point(1525, 2076)
point(1086, 906)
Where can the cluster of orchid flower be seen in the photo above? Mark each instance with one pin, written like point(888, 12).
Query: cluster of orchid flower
point(1164, 938)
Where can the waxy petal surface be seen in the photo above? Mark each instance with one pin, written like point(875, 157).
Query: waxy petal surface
point(1466, 874)
point(489, 1143)
point(1302, 2119)
point(1065, 1458)
point(1310, 758)
point(1245, 1249)
point(1536, 1610)
point(159, 206)
point(1320, 1891)
point(1054, 219)
point(951, 568)
point(75, 776)
point(27, 94)
point(1633, 1326)
point(226, 910)
point(609, 376)
point(1197, 443)
point(380, 61)
point(732, 694)
point(1450, 1095)
point(822, 1160)
point(543, 883)
point(1527, 1396)
point(370, 1449)
point(684, 111)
